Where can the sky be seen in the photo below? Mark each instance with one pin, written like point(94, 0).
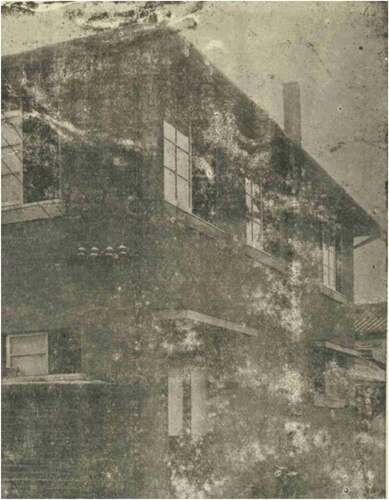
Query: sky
point(337, 51)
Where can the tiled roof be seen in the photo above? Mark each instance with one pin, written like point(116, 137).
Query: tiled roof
point(370, 320)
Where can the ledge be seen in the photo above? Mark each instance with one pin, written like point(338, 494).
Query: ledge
point(324, 401)
point(266, 258)
point(194, 221)
point(337, 347)
point(205, 319)
point(201, 225)
point(32, 211)
point(332, 294)
point(66, 378)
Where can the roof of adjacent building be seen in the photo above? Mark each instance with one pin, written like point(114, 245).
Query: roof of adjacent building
point(370, 319)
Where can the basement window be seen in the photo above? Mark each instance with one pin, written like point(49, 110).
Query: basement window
point(30, 160)
point(187, 402)
point(177, 168)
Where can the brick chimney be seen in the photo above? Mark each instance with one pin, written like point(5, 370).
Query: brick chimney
point(292, 111)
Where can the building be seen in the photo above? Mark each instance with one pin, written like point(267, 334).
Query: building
point(176, 273)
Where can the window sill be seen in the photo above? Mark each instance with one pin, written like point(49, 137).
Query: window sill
point(332, 294)
point(64, 378)
point(324, 401)
point(32, 211)
point(187, 218)
point(266, 258)
point(179, 215)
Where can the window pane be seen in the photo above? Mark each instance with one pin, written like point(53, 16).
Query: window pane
point(11, 130)
point(249, 204)
point(182, 193)
point(198, 402)
point(40, 161)
point(256, 190)
point(175, 402)
point(332, 279)
point(169, 132)
point(182, 141)
point(31, 365)
point(169, 186)
point(183, 164)
point(257, 237)
point(28, 344)
point(249, 232)
point(169, 152)
point(256, 210)
point(12, 160)
point(11, 190)
point(325, 275)
point(247, 186)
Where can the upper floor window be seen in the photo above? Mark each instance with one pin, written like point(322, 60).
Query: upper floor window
point(187, 402)
point(332, 257)
point(254, 206)
point(30, 160)
point(177, 168)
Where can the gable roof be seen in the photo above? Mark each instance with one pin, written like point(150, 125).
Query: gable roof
point(362, 222)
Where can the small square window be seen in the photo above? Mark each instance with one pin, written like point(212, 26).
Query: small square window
point(28, 354)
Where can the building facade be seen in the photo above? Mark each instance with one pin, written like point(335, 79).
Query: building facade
point(177, 271)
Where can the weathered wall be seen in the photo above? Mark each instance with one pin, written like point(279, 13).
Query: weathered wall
point(266, 437)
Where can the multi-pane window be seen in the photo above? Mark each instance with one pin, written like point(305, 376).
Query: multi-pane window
point(12, 158)
point(254, 206)
point(187, 402)
point(332, 257)
point(177, 168)
point(28, 354)
point(30, 160)
point(41, 353)
point(41, 171)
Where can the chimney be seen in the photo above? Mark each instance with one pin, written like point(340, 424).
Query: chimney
point(292, 111)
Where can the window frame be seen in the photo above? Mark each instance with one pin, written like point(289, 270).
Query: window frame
point(44, 352)
point(252, 189)
point(192, 420)
point(331, 257)
point(178, 148)
point(6, 171)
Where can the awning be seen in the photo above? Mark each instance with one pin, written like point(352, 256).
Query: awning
point(197, 317)
point(361, 369)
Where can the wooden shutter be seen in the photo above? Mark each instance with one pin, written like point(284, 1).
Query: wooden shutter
point(339, 260)
point(12, 158)
point(175, 402)
point(198, 402)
